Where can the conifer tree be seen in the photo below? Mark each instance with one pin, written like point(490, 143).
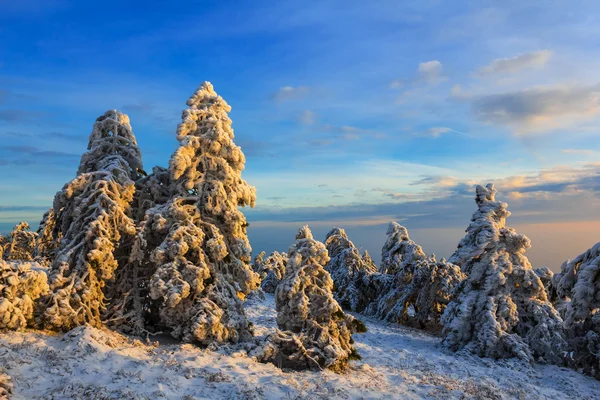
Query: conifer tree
point(91, 219)
point(501, 310)
point(578, 289)
point(21, 244)
point(195, 246)
point(399, 251)
point(271, 269)
point(315, 332)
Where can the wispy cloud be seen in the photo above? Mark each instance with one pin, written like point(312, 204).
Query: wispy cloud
point(515, 64)
point(429, 72)
point(286, 93)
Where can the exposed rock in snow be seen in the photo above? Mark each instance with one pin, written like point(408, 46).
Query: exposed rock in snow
point(399, 251)
point(349, 271)
point(91, 221)
point(578, 287)
point(21, 284)
point(270, 269)
point(501, 310)
point(316, 332)
point(195, 246)
point(21, 244)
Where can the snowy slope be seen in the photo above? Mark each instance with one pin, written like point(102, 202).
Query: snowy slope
point(398, 362)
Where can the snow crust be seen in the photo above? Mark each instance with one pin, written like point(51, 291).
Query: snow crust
point(397, 363)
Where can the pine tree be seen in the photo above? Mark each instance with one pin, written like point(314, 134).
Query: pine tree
point(195, 246)
point(91, 220)
point(46, 242)
point(271, 269)
point(501, 310)
point(21, 284)
point(349, 271)
point(578, 289)
point(21, 244)
point(316, 333)
point(399, 251)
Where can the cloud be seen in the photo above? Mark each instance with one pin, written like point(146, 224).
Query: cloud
point(307, 117)
point(515, 64)
point(429, 72)
point(539, 109)
point(286, 93)
point(22, 208)
point(27, 155)
point(583, 152)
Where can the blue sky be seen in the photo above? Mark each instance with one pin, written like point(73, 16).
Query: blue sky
point(350, 113)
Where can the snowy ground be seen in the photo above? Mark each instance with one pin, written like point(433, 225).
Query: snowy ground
point(397, 362)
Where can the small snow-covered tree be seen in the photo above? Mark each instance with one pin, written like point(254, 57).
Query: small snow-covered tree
point(399, 251)
point(349, 270)
point(370, 264)
point(315, 332)
point(546, 276)
point(501, 310)
point(195, 246)
point(21, 284)
point(258, 264)
point(271, 269)
point(91, 220)
point(578, 288)
point(21, 244)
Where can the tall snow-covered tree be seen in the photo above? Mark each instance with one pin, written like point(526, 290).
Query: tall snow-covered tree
point(91, 220)
point(501, 310)
point(21, 284)
point(195, 245)
point(399, 251)
point(21, 244)
point(315, 332)
point(578, 287)
point(349, 271)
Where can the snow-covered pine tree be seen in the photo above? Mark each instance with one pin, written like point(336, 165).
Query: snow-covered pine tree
point(501, 310)
point(21, 284)
point(578, 289)
point(46, 243)
point(546, 276)
point(91, 222)
point(150, 191)
point(21, 245)
point(369, 261)
point(399, 251)
point(195, 245)
point(349, 272)
point(316, 333)
point(258, 264)
point(6, 385)
point(272, 269)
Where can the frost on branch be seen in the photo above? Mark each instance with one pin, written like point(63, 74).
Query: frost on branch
point(399, 251)
point(21, 284)
point(270, 269)
point(350, 272)
point(501, 310)
point(578, 286)
point(315, 332)
point(195, 246)
point(91, 221)
point(21, 244)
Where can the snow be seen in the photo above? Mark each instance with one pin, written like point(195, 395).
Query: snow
point(397, 363)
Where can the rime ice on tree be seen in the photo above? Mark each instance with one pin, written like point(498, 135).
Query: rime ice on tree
point(420, 288)
point(315, 332)
point(21, 244)
point(90, 221)
point(578, 286)
point(501, 310)
point(21, 284)
point(350, 271)
point(270, 269)
point(195, 245)
point(399, 251)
